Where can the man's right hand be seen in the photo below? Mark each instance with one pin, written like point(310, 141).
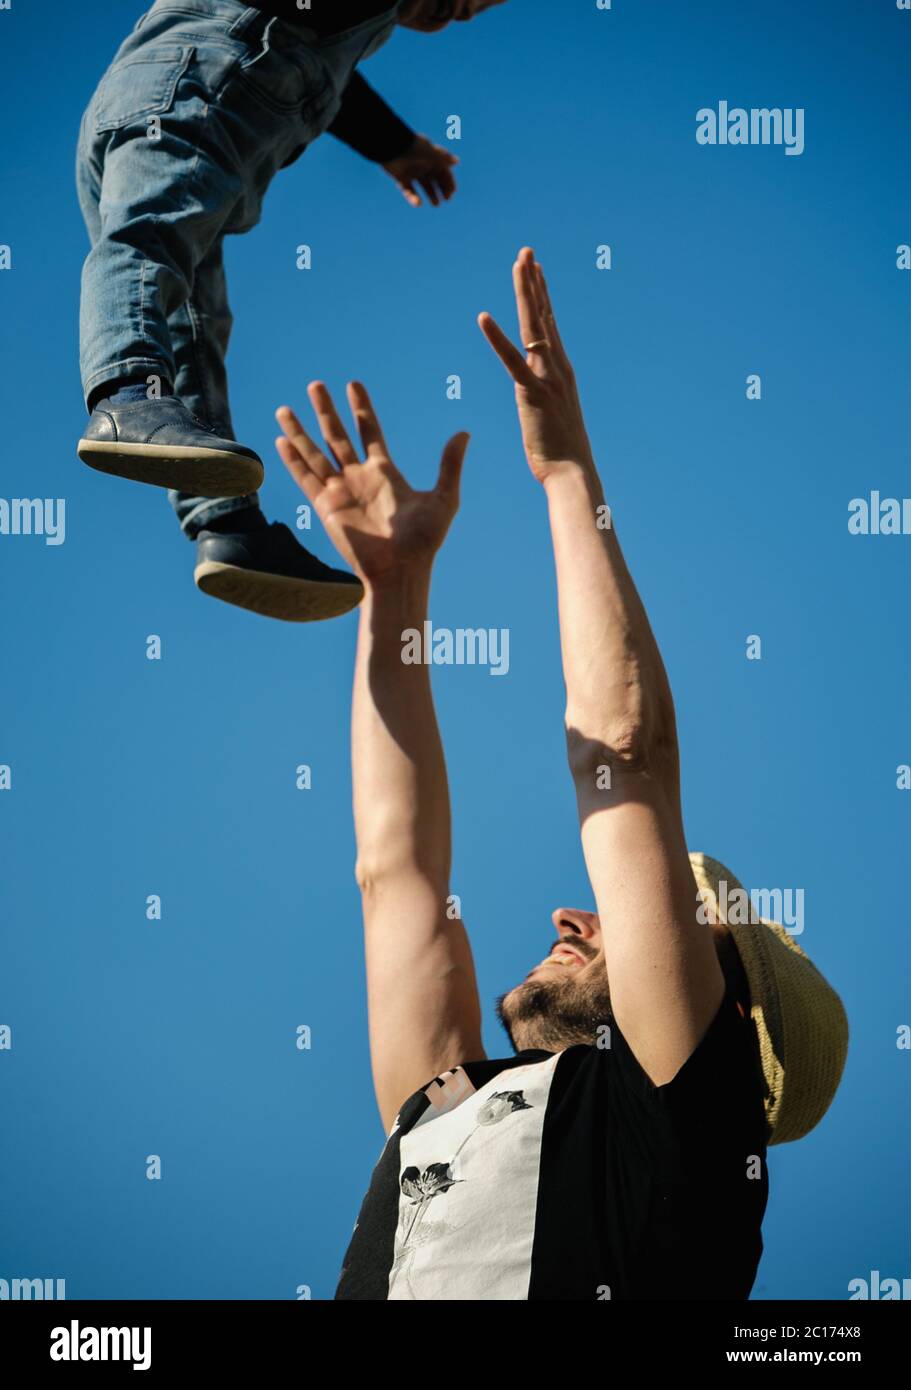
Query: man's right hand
point(378, 523)
point(550, 416)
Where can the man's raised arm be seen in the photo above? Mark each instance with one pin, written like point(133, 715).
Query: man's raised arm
point(665, 980)
point(422, 996)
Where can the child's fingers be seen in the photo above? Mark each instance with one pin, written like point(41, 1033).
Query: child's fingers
point(310, 454)
point(445, 182)
point(508, 354)
point(306, 480)
point(366, 420)
point(333, 431)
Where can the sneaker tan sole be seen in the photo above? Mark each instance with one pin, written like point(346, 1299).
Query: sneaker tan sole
point(200, 472)
point(276, 595)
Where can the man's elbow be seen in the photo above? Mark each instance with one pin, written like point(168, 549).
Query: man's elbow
point(627, 747)
point(374, 875)
point(625, 767)
point(639, 735)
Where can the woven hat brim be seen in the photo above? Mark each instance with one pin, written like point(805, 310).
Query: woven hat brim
point(800, 1021)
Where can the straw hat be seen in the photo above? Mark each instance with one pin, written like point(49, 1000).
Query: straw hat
point(800, 1020)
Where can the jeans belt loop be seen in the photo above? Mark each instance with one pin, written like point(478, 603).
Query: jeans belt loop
point(252, 24)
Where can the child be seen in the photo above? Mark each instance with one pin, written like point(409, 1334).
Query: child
point(204, 103)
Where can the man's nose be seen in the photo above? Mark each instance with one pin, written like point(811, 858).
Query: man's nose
point(571, 920)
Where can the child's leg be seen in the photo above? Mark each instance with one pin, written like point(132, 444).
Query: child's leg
point(158, 197)
point(160, 205)
point(241, 559)
point(159, 182)
point(200, 331)
point(180, 141)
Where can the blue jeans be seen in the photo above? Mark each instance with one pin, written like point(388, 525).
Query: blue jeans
point(204, 102)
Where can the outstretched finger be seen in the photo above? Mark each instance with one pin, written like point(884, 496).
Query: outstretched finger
point(550, 319)
point(531, 320)
point(310, 454)
point(410, 193)
point(333, 431)
point(507, 352)
point(308, 481)
point(446, 181)
point(365, 418)
point(451, 465)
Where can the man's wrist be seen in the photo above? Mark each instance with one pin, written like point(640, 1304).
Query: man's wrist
point(573, 475)
point(401, 581)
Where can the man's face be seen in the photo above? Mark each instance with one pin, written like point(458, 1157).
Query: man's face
point(565, 999)
point(429, 16)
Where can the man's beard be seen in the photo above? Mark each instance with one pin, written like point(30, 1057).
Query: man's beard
point(557, 1013)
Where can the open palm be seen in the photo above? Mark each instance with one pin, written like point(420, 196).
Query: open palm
point(377, 522)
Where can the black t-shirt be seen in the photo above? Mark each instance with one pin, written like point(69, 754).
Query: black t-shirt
point(571, 1176)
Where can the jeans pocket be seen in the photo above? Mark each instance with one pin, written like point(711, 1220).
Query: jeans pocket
point(143, 85)
point(283, 83)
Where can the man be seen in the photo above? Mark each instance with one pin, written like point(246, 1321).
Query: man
point(205, 101)
point(621, 1153)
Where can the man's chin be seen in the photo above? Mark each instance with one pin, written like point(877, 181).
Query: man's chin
point(529, 1013)
point(548, 1012)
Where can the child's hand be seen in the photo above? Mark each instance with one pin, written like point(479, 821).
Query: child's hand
point(426, 164)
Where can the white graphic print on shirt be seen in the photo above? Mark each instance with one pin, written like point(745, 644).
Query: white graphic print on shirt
point(468, 1187)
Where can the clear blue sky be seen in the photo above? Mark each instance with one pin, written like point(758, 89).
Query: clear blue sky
point(177, 777)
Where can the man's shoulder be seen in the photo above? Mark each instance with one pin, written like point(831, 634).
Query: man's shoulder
point(720, 1086)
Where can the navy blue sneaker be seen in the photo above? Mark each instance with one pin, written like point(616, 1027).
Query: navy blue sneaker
point(160, 442)
point(269, 572)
